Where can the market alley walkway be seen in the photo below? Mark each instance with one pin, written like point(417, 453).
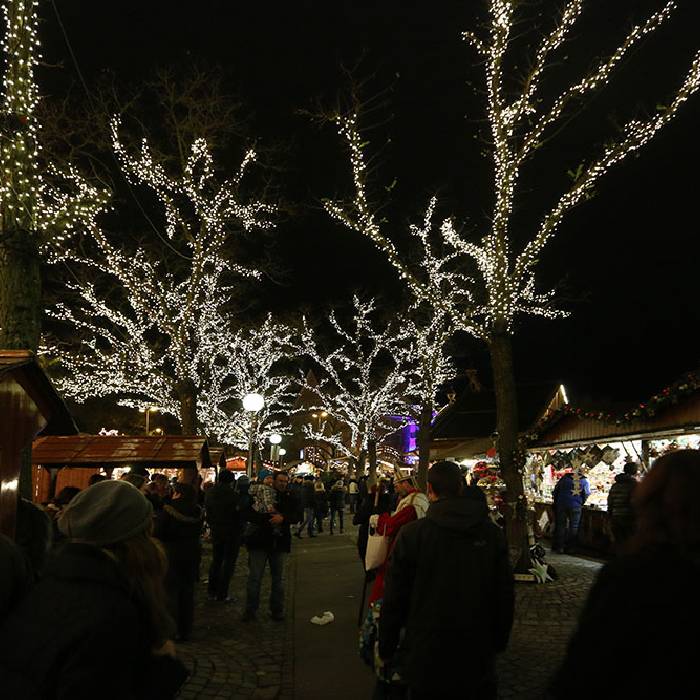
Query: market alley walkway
point(296, 660)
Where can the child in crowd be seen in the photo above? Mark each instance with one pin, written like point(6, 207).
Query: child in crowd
point(264, 497)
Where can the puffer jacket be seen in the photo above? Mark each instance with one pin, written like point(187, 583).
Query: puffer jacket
point(620, 498)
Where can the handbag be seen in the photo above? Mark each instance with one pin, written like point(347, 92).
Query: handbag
point(377, 549)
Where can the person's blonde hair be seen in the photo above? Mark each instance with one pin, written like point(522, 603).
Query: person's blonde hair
point(318, 486)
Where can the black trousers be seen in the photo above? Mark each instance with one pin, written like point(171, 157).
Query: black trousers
point(225, 550)
point(180, 591)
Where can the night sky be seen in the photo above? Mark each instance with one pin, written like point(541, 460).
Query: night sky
point(626, 261)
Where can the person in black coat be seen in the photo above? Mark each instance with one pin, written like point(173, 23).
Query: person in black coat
point(320, 504)
point(644, 604)
point(224, 518)
point(449, 592)
point(95, 625)
point(620, 511)
point(179, 527)
point(270, 542)
point(336, 501)
point(307, 504)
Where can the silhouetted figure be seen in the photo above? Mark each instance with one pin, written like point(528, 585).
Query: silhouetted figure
point(620, 511)
point(644, 603)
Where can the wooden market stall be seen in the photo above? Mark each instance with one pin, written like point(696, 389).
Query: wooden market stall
point(465, 430)
point(70, 461)
point(599, 441)
point(29, 405)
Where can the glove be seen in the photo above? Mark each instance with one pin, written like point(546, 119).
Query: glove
point(373, 521)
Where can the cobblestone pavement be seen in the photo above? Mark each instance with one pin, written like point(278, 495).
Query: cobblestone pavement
point(545, 616)
point(232, 659)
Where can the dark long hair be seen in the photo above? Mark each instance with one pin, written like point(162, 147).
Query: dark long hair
point(666, 502)
point(144, 562)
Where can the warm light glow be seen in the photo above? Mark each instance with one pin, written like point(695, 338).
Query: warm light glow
point(275, 438)
point(564, 395)
point(253, 402)
point(282, 452)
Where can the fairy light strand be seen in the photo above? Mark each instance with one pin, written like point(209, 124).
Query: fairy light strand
point(504, 286)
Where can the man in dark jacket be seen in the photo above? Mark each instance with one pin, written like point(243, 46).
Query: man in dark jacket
point(270, 542)
point(223, 516)
point(620, 511)
point(449, 586)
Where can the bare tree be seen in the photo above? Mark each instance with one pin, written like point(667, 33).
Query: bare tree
point(485, 284)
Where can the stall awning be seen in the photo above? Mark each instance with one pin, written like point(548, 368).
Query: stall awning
point(110, 450)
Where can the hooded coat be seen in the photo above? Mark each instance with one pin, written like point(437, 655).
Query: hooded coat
point(450, 586)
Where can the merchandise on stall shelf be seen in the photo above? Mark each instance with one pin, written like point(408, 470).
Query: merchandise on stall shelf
point(600, 464)
point(660, 447)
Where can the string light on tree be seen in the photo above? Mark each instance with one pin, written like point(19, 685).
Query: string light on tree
point(40, 204)
point(158, 332)
point(366, 381)
point(496, 280)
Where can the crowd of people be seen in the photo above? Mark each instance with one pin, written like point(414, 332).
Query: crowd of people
point(119, 582)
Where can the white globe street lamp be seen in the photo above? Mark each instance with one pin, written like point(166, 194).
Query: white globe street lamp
point(275, 440)
point(252, 403)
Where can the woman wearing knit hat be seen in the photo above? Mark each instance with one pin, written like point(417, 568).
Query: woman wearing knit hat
point(100, 599)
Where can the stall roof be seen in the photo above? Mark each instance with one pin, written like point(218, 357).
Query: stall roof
point(676, 409)
point(23, 367)
point(111, 450)
point(473, 414)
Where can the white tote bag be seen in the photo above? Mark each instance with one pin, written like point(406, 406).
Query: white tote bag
point(377, 549)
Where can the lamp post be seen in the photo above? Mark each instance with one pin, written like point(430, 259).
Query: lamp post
point(147, 411)
point(275, 440)
point(252, 403)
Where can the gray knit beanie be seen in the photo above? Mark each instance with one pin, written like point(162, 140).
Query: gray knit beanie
point(105, 513)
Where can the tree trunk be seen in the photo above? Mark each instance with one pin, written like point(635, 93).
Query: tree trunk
point(20, 291)
point(510, 460)
point(360, 464)
point(20, 310)
point(424, 435)
point(187, 394)
point(372, 454)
